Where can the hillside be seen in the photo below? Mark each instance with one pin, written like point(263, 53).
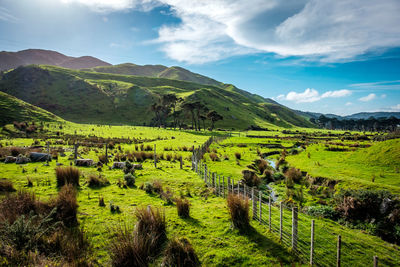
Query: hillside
point(356, 116)
point(13, 109)
point(157, 71)
point(11, 60)
point(90, 97)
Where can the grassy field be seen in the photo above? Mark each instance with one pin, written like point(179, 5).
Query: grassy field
point(209, 228)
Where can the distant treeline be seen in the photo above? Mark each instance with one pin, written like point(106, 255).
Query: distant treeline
point(370, 124)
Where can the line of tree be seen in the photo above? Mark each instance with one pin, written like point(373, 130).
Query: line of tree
point(171, 106)
point(370, 124)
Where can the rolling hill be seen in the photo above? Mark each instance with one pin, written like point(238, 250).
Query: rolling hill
point(14, 109)
point(96, 97)
point(11, 60)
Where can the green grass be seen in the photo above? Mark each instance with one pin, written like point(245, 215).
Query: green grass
point(14, 109)
point(354, 168)
point(109, 98)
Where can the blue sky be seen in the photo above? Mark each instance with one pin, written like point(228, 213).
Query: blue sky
point(337, 56)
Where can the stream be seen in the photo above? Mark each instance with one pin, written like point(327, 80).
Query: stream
point(272, 193)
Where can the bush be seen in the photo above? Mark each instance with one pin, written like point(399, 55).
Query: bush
point(67, 205)
point(214, 157)
point(103, 159)
point(183, 207)
point(322, 212)
point(294, 175)
point(6, 186)
point(67, 175)
point(129, 249)
point(97, 181)
point(129, 179)
point(180, 252)
point(151, 224)
point(13, 206)
point(238, 156)
point(250, 178)
point(239, 212)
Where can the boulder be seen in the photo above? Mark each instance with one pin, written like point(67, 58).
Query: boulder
point(38, 157)
point(10, 159)
point(118, 165)
point(22, 159)
point(84, 162)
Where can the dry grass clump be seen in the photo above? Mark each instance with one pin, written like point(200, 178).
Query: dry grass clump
point(239, 212)
point(213, 156)
point(103, 159)
point(180, 252)
point(97, 181)
point(67, 175)
point(6, 186)
point(183, 207)
point(67, 205)
point(250, 178)
point(294, 174)
point(15, 205)
point(238, 156)
point(140, 246)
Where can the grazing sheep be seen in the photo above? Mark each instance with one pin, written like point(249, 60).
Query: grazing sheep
point(84, 162)
point(37, 157)
point(10, 159)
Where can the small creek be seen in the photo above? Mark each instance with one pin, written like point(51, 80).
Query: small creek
point(272, 193)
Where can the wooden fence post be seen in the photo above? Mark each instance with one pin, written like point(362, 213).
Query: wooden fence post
point(294, 228)
point(312, 244)
point(75, 151)
point(270, 213)
point(260, 206)
point(339, 247)
point(228, 185)
point(106, 153)
point(280, 221)
point(223, 186)
point(233, 185)
point(181, 160)
point(219, 185)
point(375, 261)
point(244, 191)
point(254, 202)
point(155, 156)
point(238, 188)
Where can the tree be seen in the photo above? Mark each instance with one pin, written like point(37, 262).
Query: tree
point(213, 116)
point(189, 107)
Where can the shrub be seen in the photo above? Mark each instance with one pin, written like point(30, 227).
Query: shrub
point(322, 212)
point(179, 252)
point(129, 179)
point(167, 196)
point(67, 205)
point(67, 175)
point(13, 206)
point(101, 202)
point(15, 151)
point(148, 187)
point(238, 156)
point(278, 176)
point(183, 207)
point(262, 165)
point(151, 224)
point(239, 212)
point(103, 159)
point(6, 186)
point(129, 249)
point(97, 181)
point(250, 178)
point(214, 157)
point(294, 174)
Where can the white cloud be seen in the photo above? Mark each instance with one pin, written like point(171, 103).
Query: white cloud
point(311, 95)
point(381, 85)
point(349, 104)
point(5, 15)
point(368, 97)
point(396, 108)
point(210, 30)
point(383, 96)
point(115, 5)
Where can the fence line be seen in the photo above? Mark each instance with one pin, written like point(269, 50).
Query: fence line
point(280, 218)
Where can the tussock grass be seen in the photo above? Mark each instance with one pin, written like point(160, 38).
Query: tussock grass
point(239, 212)
point(179, 252)
point(67, 175)
point(183, 207)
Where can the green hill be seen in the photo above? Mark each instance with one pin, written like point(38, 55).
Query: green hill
point(94, 97)
point(13, 109)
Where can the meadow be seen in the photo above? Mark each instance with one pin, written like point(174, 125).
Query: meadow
point(209, 228)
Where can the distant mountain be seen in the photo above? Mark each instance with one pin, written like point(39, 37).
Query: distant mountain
point(12, 60)
point(356, 116)
point(14, 109)
point(96, 97)
point(157, 71)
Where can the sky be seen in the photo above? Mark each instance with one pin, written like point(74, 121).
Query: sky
point(336, 56)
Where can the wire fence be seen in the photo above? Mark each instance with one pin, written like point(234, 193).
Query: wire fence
point(312, 243)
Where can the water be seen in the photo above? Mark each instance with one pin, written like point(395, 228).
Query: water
point(272, 193)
